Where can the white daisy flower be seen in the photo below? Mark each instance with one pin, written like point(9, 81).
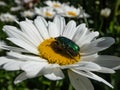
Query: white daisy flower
point(2, 3)
point(28, 13)
point(27, 1)
point(56, 5)
point(7, 17)
point(18, 2)
point(50, 47)
point(46, 12)
point(53, 4)
point(71, 11)
point(16, 8)
point(105, 12)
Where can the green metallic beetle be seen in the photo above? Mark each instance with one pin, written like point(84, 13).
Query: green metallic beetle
point(67, 45)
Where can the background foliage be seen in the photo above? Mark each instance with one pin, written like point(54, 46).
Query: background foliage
point(109, 26)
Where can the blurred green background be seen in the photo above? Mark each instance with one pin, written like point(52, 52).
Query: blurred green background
point(107, 26)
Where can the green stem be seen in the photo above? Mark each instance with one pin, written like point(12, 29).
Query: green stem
point(85, 19)
point(101, 24)
point(53, 85)
point(117, 4)
point(116, 9)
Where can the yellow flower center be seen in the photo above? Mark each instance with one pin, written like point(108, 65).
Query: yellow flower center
point(72, 13)
point(48, 14)
point(56, 5)
point(48, 50)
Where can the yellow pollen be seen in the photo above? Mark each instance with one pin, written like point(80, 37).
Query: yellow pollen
point(49, 51)
point(48, 14)
point(72, 13)
point(56, 5)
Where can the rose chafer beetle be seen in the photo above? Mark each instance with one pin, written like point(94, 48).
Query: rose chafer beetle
point(67, 45)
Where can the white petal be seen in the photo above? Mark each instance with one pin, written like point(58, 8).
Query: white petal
point(20, 78)
point(89, 66)
point(30, 31)
point(53, 73)
point(4, 60)
point(24, 45)
point(70, 29)
point(2, 43)
point(60, 22)
point(81, 31)
point(116, 68)
point(87, 38)
point(106, 70)
point(32, 69)
point(49, 3)
point(108, 61)
point(69, 66)
point(89, 57)
point(13, 32)
point(43, 20)
point(53, 30)
point(13, 65)
point(83, 65)
point(25, 57)
point(96, 45)
point(16, 49)
point(92, 76)
point(79, 82)
point(35, 31)
point(41, 26)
